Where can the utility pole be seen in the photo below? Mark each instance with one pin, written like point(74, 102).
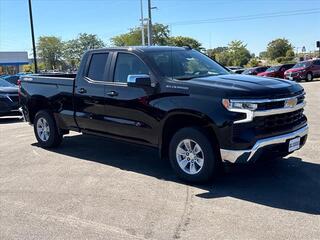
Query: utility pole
point(33, 41)
point(149, 24)
point(142, 25)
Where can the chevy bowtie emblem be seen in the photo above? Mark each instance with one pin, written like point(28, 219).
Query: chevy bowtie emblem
point(290, 103)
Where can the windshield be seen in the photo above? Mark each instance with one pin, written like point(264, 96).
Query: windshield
point(4, 83)
point(302, 64)
point(247, 71)
point(185, 64)
point(273, 69)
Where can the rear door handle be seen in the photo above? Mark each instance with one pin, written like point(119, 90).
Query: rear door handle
point(82, 91)
point(112, 93)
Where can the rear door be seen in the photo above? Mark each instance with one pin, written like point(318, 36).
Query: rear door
point(90, 91)
point(316, 68)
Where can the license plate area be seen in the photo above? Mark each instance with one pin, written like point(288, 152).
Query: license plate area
point(294, 144)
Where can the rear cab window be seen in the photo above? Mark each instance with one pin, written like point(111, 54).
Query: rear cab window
point(97, 67)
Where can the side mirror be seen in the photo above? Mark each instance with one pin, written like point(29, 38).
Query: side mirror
point(139, 80)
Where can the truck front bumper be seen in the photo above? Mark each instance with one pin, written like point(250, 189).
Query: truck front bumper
point(272, 144)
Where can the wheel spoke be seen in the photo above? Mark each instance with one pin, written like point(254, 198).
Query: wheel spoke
point(193, 169)
point(187, 143)
point(196, 149)
point(199, 162)
point(181, 151)
point(183, 163)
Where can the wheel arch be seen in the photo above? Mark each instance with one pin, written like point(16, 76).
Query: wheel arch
point(36, 104)
point(180, 119)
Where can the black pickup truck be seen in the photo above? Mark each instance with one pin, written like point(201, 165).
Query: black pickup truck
point(176, 99)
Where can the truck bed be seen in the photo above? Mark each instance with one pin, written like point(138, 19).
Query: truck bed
point(59, 79)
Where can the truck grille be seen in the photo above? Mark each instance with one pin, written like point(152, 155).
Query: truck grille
point(278, 104)
point(283, 121)
point(267, 126)
point(14, 98)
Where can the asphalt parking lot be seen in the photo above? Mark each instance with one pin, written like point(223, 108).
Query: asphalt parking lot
point(93, 188)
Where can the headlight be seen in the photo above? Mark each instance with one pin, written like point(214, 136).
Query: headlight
point(238, 104)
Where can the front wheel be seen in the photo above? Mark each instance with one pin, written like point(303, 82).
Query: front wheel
point(309, 77)
point(46, 130)
point(192, 155)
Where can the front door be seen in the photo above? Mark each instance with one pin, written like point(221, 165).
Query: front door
point(127, 109)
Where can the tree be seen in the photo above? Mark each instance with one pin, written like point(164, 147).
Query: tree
point(254, 62)
point(278, 48)
point(50, 50)
point(263, 55)
point(74, 49)
point(181, 41)
point(133, 37)
point(223, 58)
point(212, 53)
point(238, 53)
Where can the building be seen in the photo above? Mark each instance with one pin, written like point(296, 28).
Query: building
point(12, 62)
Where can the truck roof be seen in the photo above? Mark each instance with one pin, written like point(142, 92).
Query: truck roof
point(141, 48)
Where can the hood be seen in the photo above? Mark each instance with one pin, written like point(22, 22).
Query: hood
point(9, 90)
point(295, 69)
point(236, 85)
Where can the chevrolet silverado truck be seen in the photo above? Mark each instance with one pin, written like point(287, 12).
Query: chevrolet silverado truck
point(175, 99)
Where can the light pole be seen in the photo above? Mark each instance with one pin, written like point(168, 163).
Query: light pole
point(142, 24)
point(33, 41)
point(149, 24)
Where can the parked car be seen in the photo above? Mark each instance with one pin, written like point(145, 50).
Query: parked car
point(233, 68)
point(239, 71)
point(9, 100)
point(306, 70)
point(255, 70)
point(171, 98)
point(13, 79)
point(276, 71)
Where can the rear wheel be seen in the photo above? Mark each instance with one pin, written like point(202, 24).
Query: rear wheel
point(46, 130)
point(192, 155)
point(309, 77)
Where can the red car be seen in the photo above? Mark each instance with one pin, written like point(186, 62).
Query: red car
point(255, 70)
point(306, 70)
point(276, 71)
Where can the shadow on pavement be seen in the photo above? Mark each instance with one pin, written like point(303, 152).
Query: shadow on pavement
point(289, 184)
point(6, 120)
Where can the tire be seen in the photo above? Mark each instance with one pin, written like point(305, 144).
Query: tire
point(182, 160)
point(309, 77)
point(46, 130)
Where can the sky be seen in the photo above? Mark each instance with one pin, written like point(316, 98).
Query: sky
point(212, 22)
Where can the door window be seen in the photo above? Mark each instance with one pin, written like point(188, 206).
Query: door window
point(128, 64)
point(97, 66)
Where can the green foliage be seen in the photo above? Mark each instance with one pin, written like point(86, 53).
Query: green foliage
point(278, 48)
point(212, 53)
point(239, 54)
point(50, 50)
point(74, 49)
point(160, 34)
point(254, 62)
point(133, 37)
point(236, 54)
point(181, 41)
point(263, 55)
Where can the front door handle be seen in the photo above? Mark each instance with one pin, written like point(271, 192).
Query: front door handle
point(112, 93)
point(82, 91)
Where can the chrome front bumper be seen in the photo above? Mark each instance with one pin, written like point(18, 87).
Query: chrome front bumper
point(249, 155)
